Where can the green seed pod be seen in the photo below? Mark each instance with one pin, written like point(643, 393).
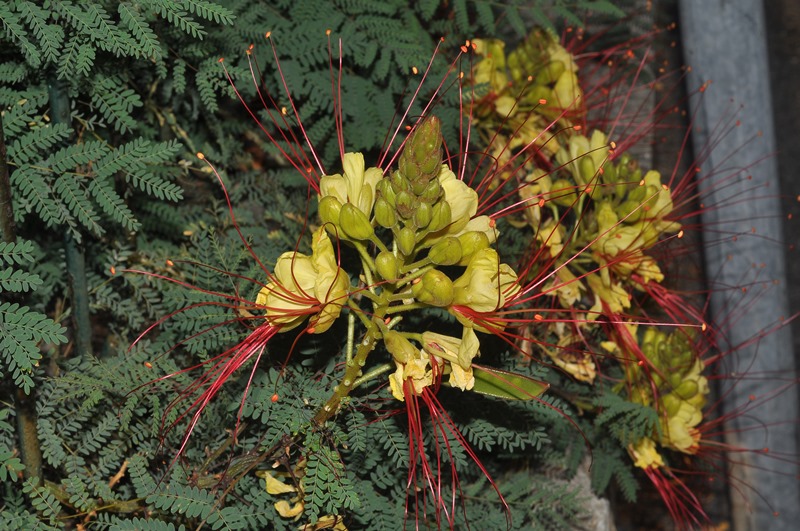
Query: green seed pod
point(406, 204)
point(406, 241)
point(387, 266)
point(384, 213)
point(434, 288)
point(422, 216)
point(471, 243)
point(399, 347)
point(440, 216)
point(354, 223)
point(330, 209)
point(446, 252)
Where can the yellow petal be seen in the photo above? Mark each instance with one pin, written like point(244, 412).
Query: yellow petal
point(276, 486)
point(289, 511)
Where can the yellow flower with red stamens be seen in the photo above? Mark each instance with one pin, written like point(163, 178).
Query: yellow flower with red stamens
point(306, 285)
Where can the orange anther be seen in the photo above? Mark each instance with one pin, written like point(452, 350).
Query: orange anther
point(221, 59)
point(170, 263)
point(414, 70)
point(274, 397)
point(148, 365)
point(542, 101)
point(201, 156)
point(268, 34)
point(538, 317)
point(328, 32)
point(113, 270)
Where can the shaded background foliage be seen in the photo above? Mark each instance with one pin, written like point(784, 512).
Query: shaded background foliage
point(104, 105)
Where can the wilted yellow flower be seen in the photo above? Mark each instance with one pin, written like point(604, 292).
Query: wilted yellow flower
point(306, 285)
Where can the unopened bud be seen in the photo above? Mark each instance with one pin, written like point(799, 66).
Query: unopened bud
point(432, 192)
point(406, 204)
point(406, 241)
point(399, 347)
point(354, 223)
point(562, 193)
point(384, 189)
point(587, 169)
point(435, 288)
point(385, 214)
point(440, 217)
point(422, 153)
point(687, 389)
point(386, 264)
point(422, 215)
point(471, 243)
point(446, 252)
point(329, 210)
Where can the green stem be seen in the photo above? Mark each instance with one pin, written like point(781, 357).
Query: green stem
point(351, 332)
point(352, 372)
point(374, 373)
point(30, 450)
point(406, 307)
point(75, 258)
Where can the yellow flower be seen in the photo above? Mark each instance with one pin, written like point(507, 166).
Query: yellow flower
point(459, 353)
point(486, 284)
point(583, 157)
point(645, 455)
point(355, 186)
point(612, 294)
point(306, 285)
point(462, 199)
point(417, 370)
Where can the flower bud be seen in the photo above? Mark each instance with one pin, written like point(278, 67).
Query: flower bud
point(563, 193)
point(687, 389)
point(406, 204)
point(432, 192)
point(422, 153)
point(386, 264)
point(354, 223)
point(550, 73)
point(329, 210)
point(406, 241)
point(587, 169)
point(384, 189)
point(385, 214)
point(399, 347)
point(422, 215)
point(440, 216)
point(471, 243)
point(434, 288)
point(446, 252)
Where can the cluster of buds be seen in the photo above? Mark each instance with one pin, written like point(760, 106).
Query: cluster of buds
point(670, 381)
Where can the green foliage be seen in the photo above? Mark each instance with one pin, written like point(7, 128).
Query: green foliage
point(143, 91)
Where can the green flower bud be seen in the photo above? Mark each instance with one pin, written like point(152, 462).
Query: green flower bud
point(587, 169)
point(422, 216)
point(440, 216)
point(422, 153)
point(387, 266)
point(687, 389)
point(563, 193)
point(432, 192)
point(446, 252)
point(550, 73)
point(434, 288)
point(671, 404)
point(406, 204)
point(354, 223)
point(399, 183)
point(471, 243)
point(385, 214)
point(399, 347)
point(406, 241)
point(330, 209)
point(384, 189)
